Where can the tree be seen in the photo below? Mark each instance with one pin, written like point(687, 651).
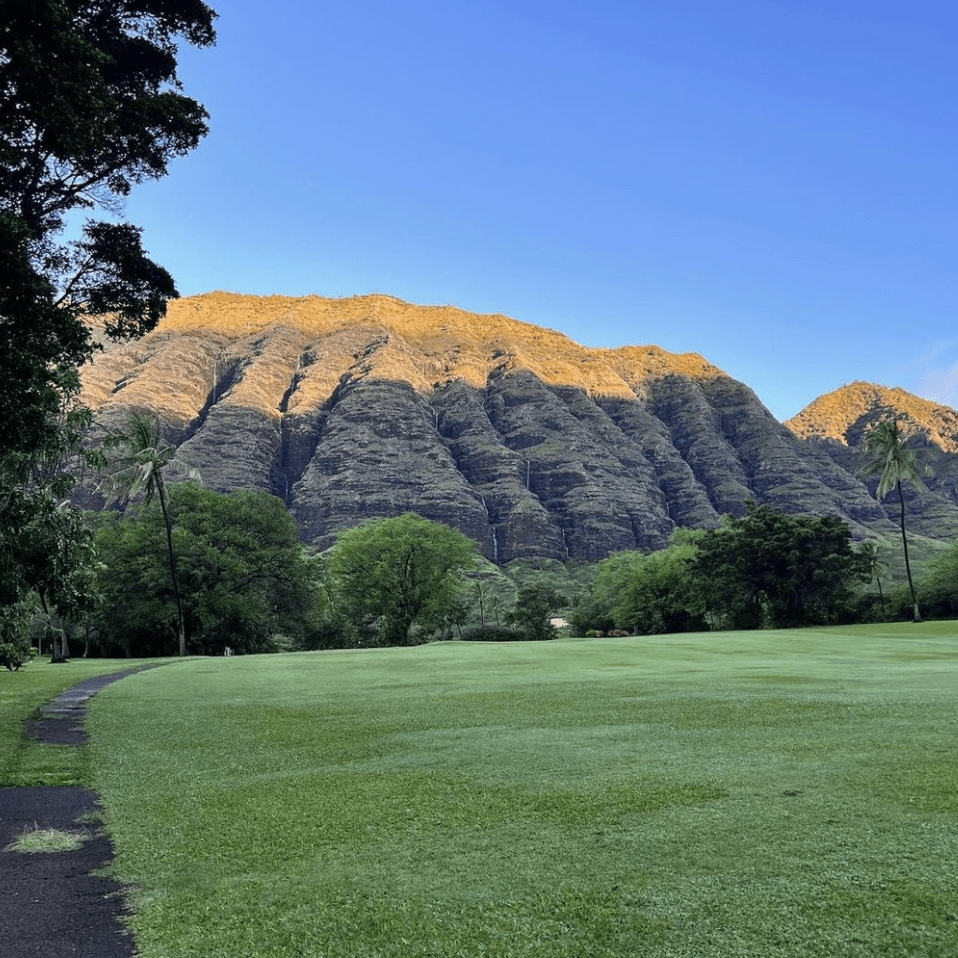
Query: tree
point(661, 594)
point(876, 567)
point(139, 470)
point(535, 606)
point(938, 586)
point(46, 551)
point(90, 106)
point(769, 568)
point(395, 579)
point(244, 574)
point(594, 610)
point(59, 555)
point(14, 635)
point(489, 592)
point(888, 456)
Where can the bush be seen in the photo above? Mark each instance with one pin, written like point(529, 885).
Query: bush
point(14, 654)
point(15, 646)
point(492, 633)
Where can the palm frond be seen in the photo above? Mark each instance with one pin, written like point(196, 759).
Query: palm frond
point(888, 456)
point(145, 456)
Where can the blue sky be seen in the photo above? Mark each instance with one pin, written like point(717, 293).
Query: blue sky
point(770, 183)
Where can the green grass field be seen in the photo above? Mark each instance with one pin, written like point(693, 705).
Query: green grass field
point(759, 794)
point(21, 694)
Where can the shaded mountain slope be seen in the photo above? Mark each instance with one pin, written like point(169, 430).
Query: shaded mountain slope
point(525, 440)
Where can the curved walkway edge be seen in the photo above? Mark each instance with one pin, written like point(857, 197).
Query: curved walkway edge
point(52, 904)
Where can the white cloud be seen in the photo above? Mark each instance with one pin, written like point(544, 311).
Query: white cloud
point(939, 385)
point(923, 361)
point(932, 374)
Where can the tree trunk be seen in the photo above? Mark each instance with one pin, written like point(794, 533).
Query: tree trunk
point(59, 650)
point(904, 542)
point(161, 491)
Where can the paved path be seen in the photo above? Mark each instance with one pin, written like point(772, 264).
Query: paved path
point(51, 903)
point(61, 721)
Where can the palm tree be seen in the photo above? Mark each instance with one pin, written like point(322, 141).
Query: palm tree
point(875, 567)
point(889, 457)
point(140, 470)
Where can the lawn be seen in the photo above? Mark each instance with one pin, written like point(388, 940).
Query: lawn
point(757, 794)
point(21, 694)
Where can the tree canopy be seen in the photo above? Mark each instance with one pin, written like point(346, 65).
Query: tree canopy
point(245, 578)
point(396, 580)
point(766, 568)
point(139, 470)
point(536, 604)
point(770, 568)
point(661, 594)
point(90, 105)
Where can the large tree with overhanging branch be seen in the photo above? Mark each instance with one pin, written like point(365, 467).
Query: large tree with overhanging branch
point(90, 106)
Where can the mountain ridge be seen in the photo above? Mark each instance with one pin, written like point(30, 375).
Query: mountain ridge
point(529, 442)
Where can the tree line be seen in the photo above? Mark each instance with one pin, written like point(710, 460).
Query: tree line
point(91, 105)
point(762, 570)
point(209, 573)
point(205, 572)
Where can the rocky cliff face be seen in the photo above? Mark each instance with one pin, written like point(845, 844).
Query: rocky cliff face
point(528, 442)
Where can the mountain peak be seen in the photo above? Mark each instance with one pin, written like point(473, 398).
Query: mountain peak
point(846, 413)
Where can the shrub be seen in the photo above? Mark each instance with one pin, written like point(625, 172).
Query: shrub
point(15, 646)
point(14, 654)
point(492, 633)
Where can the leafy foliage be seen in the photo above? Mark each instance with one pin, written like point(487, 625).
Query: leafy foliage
point(245, 576)
point(535, 606)
point(140, 471)
point(488, 593)
point(492, 633)
point(46, 556)
point(90, 105)
point(661, 594)
point(769, 568)
point(763, 569)
point(938, 589)
point(395, 581)
point(644, 593)
point(14, 635)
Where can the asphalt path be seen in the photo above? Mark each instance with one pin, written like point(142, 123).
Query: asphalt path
point(53, 904)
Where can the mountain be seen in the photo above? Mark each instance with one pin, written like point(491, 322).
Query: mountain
point(846, 414)
point(530, 443)
point(835, 423)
